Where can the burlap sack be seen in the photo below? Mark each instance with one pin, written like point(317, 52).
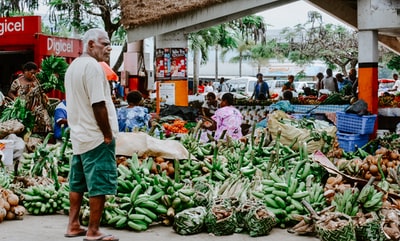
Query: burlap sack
point(10, 127)
point(128, 143)
point(289, 133)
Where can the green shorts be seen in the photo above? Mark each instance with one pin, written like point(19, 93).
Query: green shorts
point(95, 171)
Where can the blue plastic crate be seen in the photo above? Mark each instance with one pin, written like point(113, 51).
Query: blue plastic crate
point(349, 142)
point(355, 124)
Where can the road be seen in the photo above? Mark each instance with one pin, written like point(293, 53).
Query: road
point(52, 227)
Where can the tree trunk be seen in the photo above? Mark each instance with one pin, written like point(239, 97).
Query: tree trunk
point(240, 64)
point(216, 62)
point(196, 68)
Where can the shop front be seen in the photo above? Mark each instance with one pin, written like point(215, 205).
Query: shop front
point(22, 40)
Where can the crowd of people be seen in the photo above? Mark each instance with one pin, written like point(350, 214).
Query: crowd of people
point(338, 83)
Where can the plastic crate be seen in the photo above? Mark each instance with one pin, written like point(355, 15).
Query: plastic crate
point(349, 142)
point(355, 124)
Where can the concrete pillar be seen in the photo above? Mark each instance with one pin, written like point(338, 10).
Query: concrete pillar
point(171, 68)
point(368, 68)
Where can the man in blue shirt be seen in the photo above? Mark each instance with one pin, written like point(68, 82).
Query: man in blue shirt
point(60, 119)
point(261, 89)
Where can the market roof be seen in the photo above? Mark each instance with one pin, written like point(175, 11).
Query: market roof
point(155, 15)
point(139, 13)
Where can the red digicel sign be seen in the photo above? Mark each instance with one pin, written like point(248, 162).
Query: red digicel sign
point(66, 47)
point(25, 25)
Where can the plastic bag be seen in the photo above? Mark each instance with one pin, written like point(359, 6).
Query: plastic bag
point(18, 145)
point(360, 107)
point(128, 143)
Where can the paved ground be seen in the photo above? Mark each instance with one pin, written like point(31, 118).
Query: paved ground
point(52, 227)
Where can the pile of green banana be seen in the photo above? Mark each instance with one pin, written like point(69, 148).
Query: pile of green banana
point(5, 178)
point(47, 160)
point(190, 168)
point(143, 197)
point(351, 201)
point(282, 194)
point(41, 200)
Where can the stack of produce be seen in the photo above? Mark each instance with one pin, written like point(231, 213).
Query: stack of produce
point(41, 199)
point(9, 206)
point(177, 126)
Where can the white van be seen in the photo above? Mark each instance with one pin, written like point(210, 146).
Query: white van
point(245, 85)
point(242, 85)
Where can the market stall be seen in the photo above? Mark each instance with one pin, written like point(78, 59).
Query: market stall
point(22, 40)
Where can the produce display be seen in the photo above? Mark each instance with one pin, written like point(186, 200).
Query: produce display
point(231, 186)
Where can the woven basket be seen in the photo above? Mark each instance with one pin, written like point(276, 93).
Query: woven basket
point(345, 232)
point(370, 231)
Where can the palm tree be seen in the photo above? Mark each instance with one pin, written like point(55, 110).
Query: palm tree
point(200, 42)
point(247, 32)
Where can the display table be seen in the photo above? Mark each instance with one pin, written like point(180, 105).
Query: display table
point(255, 113)
point(393, 112)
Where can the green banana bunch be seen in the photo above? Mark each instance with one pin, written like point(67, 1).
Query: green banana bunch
point(374, 201)
point(5, 178)
point(282, 194)
point(346, 202)
point(41, 200)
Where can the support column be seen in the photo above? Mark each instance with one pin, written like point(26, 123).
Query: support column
point(368, 68)
point(132, 66)
point(171, 69)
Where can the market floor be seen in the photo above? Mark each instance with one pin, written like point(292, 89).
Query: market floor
point(52, 227)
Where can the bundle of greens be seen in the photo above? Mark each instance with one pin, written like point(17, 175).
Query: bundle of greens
point(190, 221)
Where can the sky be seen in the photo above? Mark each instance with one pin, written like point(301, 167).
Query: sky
point(292, 14)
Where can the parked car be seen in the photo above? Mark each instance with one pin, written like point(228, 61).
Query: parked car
point(300, 85)
point(275, 87)
point(242, 85)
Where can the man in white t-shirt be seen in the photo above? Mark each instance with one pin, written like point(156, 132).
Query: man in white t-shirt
point(396, 86)
point(209, 87)
point(93, 126)
point(223, 86)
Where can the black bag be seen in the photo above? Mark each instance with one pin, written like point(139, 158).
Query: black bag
point(187, 113)
point(360, 107)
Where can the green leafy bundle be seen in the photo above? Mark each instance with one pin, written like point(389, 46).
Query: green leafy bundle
point(18, 111)
point(52, 73)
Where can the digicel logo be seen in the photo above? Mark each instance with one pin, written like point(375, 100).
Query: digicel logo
point(59, 45)
point(8, 27)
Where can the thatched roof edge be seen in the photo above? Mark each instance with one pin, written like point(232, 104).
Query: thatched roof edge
point(145, 12)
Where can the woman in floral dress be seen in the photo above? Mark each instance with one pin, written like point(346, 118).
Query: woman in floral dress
point(133, 116)
point(226, 118)
point(27, 87)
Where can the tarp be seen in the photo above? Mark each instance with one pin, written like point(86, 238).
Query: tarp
point(110, 74)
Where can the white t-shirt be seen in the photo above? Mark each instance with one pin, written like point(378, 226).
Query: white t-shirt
point(208, 88)
point(397, 85)
point(86, 84)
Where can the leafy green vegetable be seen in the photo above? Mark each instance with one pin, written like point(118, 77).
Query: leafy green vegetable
point(52, 73)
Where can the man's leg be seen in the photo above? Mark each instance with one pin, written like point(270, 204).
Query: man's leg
point(96, 204)
point(74, 225)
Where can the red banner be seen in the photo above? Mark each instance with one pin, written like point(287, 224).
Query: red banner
point(20, 26)
point(66, 47)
